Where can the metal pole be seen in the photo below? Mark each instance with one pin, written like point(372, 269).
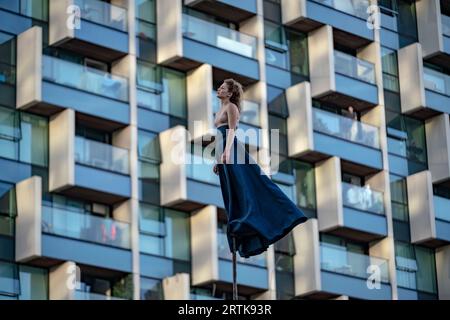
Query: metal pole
point(235, 291)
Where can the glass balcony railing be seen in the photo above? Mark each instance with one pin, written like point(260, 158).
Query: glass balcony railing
point(225, 253)
point(442, 208)
point(83, 295)
point(103, 13)
point(84, 78)
point(9, 279)
point(436, 81)
point(338, 259)
point(85, 226)
point(101, 155)
point(362, 198)
point(250, 112)
point(345, 128)
point(195, 296)
point(353, 67)
point(445, 25)
point(357, 8)
point(198, 168)
point(219, 36)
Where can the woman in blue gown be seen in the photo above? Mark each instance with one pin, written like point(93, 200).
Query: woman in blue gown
point(258, 211)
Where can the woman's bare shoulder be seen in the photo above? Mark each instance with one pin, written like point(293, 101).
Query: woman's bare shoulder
point(232, 107)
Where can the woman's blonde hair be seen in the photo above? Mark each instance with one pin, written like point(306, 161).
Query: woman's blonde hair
point(236, 90)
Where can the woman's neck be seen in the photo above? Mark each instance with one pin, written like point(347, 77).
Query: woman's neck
point(224, 102)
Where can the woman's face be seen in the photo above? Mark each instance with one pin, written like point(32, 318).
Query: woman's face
point(222, 91)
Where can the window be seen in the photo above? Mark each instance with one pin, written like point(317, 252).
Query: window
point(161, 89)
point(399, 198)
point(174, 92)
point(286, 49)
point(407, 22)
point(8, 212)
point(284, 267)
point(34, 142)
point(7, 200)
point(305, 184)
point(151, 289)
point(146, 30)
point(390, 69)
point(33, 283)
point(416, 267)
point(7, 59)
point(37, 9)
point(146, 10)
point(414, 140)
point(164, 232)
point(27, 142)
point(149, 155)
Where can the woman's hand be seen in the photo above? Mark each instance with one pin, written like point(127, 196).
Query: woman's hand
point(225, 156)
point(216, 169)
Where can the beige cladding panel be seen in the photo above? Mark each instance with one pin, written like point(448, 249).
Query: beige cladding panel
point(443, 272)
point(438, 147)
point(199, 84)
point(329, 198)
point(410, 66)
point(321, 61)
point(62, 14)
point(173, 188)
point(429, 26)
point(293, 11)
point(62, 150)
point(421, 207)
point(62, 281)
point(307, 258)
point(177, 287)
point(169, 34)
point(29, 68)
point(29, 219)
point(300, 120)
point(204, 246)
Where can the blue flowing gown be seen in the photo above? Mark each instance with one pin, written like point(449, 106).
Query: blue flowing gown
point(258, 211)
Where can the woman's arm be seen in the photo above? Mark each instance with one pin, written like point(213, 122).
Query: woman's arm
point(233, 116)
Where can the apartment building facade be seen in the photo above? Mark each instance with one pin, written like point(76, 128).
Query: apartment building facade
point(92, 93)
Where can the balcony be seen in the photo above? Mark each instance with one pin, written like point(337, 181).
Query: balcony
point(348, 18)
point(339, 78)
point(428, 96)
point(83, 295)
point(437, 90)
point(231, 10)
point(84, 226)
point(45, 230)
point(101, 32)
point(433, 26)
point(9, 280)
point(189, 42)
point(339, 268)
point(211, 258)
point(326, 134)
point(428, 213)
point(186, 180)
point(47, 85)
point(326, 271)
point(355, 79)
point(348, 210)
point(85, 168)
